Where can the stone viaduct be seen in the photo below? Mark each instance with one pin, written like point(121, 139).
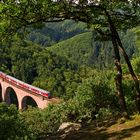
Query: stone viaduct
point(14, 91)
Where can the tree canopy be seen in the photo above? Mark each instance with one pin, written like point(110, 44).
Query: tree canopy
point(22, 13)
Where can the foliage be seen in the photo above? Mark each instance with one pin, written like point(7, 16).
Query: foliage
point(55, 32)
point(76, 48)
point(84, 49)
point(130, 95)
point(12, 125)
point(52, 71)
point(45, 122)
point(22, 61)
point(16, 15)
point(136, 64)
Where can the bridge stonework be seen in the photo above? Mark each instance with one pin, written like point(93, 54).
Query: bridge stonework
point(21, 93)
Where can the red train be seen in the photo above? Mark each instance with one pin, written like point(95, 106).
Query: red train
point(26, 86)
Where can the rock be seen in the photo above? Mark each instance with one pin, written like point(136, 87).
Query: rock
point(68, 127)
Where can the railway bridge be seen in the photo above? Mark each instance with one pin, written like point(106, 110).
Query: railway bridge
point(14, 91)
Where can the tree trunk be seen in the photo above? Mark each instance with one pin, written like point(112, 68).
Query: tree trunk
point(136, 81)
point(122, 50)
point(118, 78)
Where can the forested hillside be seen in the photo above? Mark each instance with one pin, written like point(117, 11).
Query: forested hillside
point(85, 49)
point(52, 33)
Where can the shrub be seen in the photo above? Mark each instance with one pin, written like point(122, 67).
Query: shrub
point(45, 122)
point(11, 125)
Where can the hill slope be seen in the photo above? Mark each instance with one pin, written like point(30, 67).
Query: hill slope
point(85, 50)
point(76, 48)
point(52, 33)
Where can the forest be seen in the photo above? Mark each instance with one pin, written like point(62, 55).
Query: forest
point(72, 59)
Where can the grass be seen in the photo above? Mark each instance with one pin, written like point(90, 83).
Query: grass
point(119, 130)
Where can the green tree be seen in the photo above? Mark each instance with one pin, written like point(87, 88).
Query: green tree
point(23, 62)
point(12, 125)
point(51, 70)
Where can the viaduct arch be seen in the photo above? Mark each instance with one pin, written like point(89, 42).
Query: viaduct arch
point(14, 91)
point(27, 100)
point(11, 97)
